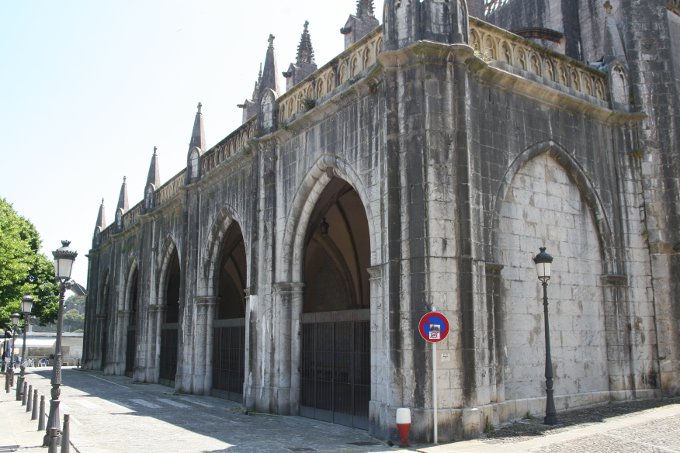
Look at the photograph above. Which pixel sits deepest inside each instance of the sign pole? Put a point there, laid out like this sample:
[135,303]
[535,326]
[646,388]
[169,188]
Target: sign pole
[434,327]
[434,388]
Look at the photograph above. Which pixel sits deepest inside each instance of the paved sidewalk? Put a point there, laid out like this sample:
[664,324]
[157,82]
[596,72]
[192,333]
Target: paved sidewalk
[110,414]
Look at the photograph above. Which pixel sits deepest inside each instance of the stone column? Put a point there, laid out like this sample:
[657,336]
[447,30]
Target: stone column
[287,310]
[618,335]
[153,341]
[380,360]
[203,344]
[494,312]
[121,339]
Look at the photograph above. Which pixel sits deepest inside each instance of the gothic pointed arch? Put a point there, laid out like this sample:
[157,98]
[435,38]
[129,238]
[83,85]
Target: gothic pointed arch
[211,254]
[586,188]
[170,293]
[131,309]
[307,195]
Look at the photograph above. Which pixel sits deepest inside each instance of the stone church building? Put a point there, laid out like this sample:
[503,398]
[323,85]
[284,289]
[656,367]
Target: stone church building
[288,266]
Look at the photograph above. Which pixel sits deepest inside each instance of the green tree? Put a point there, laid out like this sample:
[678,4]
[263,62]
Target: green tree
[73,320]
[23,269]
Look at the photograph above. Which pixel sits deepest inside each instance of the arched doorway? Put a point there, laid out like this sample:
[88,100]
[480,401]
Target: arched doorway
[131,345]
[229,323]
[170,323]
[336,350]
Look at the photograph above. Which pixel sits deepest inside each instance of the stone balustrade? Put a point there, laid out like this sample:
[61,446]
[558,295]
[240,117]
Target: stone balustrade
[170,188]
[231,145]
[342,69]
[493,44]
[497,45]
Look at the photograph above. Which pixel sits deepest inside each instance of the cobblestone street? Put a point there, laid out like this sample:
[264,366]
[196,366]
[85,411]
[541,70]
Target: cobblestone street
[111,414]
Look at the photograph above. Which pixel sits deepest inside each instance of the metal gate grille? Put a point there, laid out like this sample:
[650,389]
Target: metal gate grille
[336,377]
[168,365]
[228,357]
[130,351]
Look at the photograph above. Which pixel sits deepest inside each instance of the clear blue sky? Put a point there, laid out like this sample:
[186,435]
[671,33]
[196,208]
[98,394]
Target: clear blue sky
[88,88]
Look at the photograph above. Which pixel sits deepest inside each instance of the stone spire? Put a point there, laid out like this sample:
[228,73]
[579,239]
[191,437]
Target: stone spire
[101,217]
[197,135]
[269,91]
[269,80]
[305,64]
[305,52]
[123,198]
[99,227]
[365,8]
[154,174]
[359,25]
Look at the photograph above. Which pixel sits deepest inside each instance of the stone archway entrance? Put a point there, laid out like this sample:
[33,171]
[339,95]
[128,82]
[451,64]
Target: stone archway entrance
[229,323]
[131,345]
[336,350]
[170,323]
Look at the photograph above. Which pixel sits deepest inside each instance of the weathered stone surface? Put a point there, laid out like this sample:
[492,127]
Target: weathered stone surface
[465,160]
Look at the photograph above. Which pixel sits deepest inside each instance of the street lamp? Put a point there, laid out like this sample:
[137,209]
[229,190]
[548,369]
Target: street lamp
[9,377]
[543,263]
[26,307]
[64,257]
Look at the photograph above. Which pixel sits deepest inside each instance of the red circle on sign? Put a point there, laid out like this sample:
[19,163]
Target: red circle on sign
[433,327]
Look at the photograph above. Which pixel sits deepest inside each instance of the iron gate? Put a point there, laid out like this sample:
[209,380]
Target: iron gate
[130,352]
[336,367]
[228,358]
[168,364]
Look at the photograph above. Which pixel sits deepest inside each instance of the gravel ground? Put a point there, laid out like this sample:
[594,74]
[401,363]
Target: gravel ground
[529,428]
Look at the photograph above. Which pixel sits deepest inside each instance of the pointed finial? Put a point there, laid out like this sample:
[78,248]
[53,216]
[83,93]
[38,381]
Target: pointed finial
[365,8]
[305,52]
[271,41]
[199,107]
[608,7]
[155,148]
[124,178]
[102,201]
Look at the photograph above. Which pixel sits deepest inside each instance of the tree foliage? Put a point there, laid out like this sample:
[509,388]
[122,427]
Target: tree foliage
[23,269]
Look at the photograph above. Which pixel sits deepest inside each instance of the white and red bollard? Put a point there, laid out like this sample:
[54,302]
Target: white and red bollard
[403,425]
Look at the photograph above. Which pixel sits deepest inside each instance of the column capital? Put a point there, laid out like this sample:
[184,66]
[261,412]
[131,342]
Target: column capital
[207,301]
[493,268]
[156,307]
[374,272]
[615,280]
[288,287]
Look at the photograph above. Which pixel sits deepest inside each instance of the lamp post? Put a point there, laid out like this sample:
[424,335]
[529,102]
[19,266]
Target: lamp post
[26,307]
[543,262]
[64,257]
[10,371]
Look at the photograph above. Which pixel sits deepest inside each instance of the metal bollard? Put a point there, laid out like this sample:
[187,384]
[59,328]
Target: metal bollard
[54,440]
[34,413]
[23,392]
[29,399]
[65,435]
[41,416]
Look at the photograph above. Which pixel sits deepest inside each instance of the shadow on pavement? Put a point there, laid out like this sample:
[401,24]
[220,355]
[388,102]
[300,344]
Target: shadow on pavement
[532,427]
[213,417]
